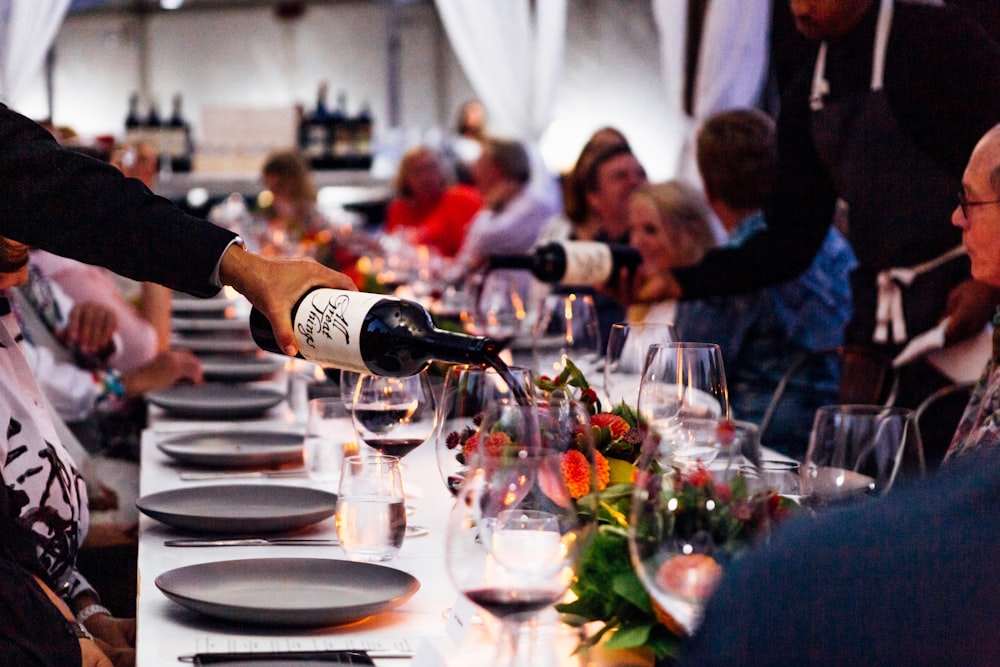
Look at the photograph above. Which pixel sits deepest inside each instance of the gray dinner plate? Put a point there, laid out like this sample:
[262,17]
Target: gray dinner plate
[236,368]
[239,509]
[234,449]
[288,591]
[214,342]
[215,400]
[208,324]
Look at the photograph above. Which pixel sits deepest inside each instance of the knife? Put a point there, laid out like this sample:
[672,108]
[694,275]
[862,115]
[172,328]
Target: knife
[252,542]
[248,474]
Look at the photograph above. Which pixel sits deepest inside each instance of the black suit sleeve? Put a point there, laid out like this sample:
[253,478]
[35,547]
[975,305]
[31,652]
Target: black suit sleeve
[79,207]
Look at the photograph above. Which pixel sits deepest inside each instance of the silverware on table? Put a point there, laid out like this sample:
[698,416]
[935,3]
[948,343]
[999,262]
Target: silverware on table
[242,474]
[252,541]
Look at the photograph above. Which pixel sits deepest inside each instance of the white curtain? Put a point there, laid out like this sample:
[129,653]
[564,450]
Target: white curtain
[512,53]
[27,30]
[732,63]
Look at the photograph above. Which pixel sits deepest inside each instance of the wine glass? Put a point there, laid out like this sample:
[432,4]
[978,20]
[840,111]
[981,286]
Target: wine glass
[500,306]
[682,396]
[567,328]
[625,355]
[468,391]
[519,524]
[394,415]
[348,384]
[855,452]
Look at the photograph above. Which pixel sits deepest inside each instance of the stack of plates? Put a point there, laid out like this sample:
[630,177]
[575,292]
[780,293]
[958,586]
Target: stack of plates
[212,329]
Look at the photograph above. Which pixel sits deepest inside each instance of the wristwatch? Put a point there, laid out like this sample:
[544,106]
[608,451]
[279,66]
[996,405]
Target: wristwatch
[78,630]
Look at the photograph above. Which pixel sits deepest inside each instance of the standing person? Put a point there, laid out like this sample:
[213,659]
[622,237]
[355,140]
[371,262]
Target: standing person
[427,208]
[909,579]
[883,118]
[71,204]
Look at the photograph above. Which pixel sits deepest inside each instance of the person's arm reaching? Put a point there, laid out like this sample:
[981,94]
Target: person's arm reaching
[275,285]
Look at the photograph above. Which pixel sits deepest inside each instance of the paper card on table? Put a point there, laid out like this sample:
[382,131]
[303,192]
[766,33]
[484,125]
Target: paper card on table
[460,619]
[428,655]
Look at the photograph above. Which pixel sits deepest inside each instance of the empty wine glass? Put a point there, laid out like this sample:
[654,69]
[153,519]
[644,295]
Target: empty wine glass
[519,522]
[467,393]
[625,356]
[855,452]
[394,415]
[500,306]
[348,384]
[681,394]
[567,327]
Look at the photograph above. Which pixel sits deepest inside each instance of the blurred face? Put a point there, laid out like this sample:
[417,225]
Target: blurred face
[981,228]
[617,179]
[13,263]
[649,236]
[424,179]
[825,19]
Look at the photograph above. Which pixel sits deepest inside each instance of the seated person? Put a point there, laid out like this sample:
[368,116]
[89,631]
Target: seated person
[906,580]
[577,220]
[69,347]
[41,474]
[513,214]
[290,211]
[737,160]
[427,208]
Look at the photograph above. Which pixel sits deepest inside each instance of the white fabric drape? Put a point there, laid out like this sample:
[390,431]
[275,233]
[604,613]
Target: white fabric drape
[732,63]
[27,30]
[512,53]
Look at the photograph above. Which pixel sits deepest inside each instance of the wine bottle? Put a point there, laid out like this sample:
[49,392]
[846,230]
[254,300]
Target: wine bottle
[371,333]
[572,262]
[133,120]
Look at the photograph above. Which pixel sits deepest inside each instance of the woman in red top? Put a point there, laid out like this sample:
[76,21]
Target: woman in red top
[427,208]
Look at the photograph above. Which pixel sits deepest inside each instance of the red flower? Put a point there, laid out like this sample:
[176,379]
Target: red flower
[699,478]
[618,426]
[576,472]
[724,492]
[725,432]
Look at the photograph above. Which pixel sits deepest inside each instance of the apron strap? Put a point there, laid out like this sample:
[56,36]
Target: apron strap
[821,87]
[889,315]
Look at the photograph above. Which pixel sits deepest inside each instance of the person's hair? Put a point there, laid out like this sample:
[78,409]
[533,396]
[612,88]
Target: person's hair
[466,129]
[510,157]
[682,207]
[601,156]
[401,183]
[738,157]
[574,194]
[294,172]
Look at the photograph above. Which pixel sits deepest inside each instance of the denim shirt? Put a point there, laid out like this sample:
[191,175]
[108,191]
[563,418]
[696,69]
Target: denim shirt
[763,332]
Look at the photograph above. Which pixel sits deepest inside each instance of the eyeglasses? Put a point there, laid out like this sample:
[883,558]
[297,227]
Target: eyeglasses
[965,203]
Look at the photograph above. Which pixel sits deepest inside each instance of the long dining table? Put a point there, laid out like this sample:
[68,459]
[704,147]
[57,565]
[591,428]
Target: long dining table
[418,632]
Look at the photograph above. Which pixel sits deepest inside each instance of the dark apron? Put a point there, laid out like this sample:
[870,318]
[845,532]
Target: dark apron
[899,201]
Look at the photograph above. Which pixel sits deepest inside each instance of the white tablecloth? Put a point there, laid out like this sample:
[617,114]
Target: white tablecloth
[167,630]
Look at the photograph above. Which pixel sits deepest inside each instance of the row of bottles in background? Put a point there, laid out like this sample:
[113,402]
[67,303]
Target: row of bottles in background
[332,138]
[171,138]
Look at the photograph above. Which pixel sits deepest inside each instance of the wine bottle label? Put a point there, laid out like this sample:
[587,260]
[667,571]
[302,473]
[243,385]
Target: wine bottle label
[328,327]
[587,262]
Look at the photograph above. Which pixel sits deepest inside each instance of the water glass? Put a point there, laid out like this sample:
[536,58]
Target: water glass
[323,449]
[371,512]
[625,356]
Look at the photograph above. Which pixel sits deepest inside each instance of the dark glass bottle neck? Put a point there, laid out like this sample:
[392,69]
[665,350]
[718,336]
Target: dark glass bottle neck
[457,348]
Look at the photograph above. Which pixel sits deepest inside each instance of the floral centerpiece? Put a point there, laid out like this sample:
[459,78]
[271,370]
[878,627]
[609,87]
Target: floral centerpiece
[607,588]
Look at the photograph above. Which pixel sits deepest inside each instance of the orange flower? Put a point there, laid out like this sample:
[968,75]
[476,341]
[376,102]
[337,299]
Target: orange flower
[470,446]
[496,442]
[618,426]
[576,472]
